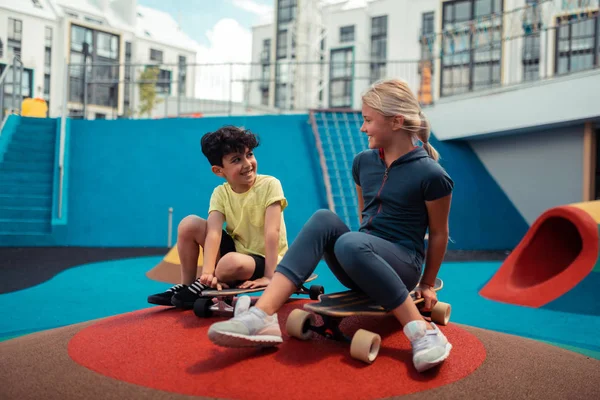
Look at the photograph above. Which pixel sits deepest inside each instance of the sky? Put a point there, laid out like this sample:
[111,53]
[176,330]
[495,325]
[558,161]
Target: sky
[222,28]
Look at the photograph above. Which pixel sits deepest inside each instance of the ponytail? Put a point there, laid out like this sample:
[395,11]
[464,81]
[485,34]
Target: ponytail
[424,134]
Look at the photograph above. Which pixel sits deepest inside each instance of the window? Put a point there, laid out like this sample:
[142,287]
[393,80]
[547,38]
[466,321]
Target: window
[427,36]
[427,40]
[156,55]
[577,43]
[265,77]
[15,35]
[101,52]
[282,44]
[182,69]
[378,47]
[27,85]
[265,54]
[48,36]
[128,73]
[286,10]
[471,57]
[280,95]
[37,4]
[531,41]
[340,78]
[347,34]
[163,86]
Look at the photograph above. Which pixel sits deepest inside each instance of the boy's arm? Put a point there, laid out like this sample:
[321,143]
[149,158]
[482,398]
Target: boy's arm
[272,232]
[212,243]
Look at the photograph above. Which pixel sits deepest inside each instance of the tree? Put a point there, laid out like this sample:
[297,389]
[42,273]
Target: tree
[148,98]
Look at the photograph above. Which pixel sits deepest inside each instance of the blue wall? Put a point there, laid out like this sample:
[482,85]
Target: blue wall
[124,175]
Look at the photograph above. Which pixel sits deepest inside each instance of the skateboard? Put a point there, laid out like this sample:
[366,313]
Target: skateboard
[223,301]
[334,307]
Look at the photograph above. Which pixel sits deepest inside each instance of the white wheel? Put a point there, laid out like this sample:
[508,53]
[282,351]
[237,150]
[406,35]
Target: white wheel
[365,346]
[440,314]
[298,323]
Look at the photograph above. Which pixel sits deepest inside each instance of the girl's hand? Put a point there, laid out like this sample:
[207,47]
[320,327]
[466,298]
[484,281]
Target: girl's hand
[427,293]
[260,282]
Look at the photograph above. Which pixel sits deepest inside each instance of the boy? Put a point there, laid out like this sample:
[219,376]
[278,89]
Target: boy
[247,252]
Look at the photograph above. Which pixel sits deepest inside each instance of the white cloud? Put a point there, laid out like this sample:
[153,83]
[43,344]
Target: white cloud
[229,42]
[253,7]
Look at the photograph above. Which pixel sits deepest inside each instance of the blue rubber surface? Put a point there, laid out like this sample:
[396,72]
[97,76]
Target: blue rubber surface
[108,288]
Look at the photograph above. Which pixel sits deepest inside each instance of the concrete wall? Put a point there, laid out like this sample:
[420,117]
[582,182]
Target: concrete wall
[536,171]
[549,103]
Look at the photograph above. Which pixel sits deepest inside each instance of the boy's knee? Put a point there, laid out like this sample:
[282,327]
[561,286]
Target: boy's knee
[190,226]
[229,266]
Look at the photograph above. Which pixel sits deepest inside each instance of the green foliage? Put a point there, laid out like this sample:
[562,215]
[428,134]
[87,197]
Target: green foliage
[148,98]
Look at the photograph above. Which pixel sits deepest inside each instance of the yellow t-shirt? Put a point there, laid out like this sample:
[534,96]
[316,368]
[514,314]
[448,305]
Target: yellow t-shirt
[245,214]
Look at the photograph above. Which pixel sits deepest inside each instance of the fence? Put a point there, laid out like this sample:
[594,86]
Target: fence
[469,57]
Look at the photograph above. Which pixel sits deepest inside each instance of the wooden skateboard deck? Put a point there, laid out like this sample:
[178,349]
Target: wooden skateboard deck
[348,303]
[333,308]
[238,291]
[223,301]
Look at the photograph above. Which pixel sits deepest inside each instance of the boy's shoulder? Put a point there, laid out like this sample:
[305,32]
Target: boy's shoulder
[265,180]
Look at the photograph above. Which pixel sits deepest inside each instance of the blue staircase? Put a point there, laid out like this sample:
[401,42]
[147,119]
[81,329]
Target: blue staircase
[26,179]
[339,139]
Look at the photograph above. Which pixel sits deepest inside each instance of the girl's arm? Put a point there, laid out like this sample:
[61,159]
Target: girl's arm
[438,237]
[361,202]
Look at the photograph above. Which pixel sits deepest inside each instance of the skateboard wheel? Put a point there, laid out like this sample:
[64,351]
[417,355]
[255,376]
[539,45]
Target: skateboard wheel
[298,324]
[315,291]
[365,346]
[202,308]
[440,313]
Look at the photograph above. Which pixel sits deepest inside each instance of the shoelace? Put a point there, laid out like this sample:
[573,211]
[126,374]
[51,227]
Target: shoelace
[425,342]
[176,288]
[197,287]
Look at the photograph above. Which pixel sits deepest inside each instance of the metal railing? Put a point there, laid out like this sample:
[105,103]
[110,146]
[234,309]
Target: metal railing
[469,57]
[13,69]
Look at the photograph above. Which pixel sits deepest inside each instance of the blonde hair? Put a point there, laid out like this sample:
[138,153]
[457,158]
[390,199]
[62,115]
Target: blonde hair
[393,97]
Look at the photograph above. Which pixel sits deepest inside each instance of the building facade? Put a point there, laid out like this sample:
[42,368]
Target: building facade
[515,79]
[118,41]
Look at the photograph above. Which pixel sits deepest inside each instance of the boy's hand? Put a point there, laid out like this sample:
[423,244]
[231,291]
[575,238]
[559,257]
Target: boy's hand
[207,279]
[260,282]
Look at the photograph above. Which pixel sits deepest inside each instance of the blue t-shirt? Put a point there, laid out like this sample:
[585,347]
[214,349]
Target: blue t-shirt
[395,197]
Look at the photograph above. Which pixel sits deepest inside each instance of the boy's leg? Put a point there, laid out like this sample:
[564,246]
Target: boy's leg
[387,273]
[236,267]
[191,234]
[258,327]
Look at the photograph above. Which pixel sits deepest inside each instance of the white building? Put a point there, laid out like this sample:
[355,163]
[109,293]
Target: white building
[518,80]
[48,34]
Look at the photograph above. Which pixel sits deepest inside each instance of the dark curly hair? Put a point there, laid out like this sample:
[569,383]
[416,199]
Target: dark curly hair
[226,140]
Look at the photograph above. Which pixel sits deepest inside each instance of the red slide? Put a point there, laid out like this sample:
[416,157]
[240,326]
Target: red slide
[559,250]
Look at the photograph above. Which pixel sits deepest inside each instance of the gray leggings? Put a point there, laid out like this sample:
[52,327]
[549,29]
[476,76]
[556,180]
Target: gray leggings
[384,271]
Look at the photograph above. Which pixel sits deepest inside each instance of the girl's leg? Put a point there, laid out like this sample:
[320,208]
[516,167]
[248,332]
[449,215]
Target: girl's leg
[387,273]
[316,239]
[384,271]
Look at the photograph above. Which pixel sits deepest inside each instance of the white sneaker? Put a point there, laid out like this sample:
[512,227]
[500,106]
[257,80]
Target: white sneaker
[250,327]
[430,346]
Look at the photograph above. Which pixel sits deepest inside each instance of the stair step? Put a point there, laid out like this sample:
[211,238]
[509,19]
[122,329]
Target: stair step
[40,189]
[14,166]
[47,122]
[29,156]
[26,146]
[25,213]
[26,177]
[19,226]
[25,200]
[21,137]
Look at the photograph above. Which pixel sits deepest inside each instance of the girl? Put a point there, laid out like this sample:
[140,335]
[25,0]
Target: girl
[402,191]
